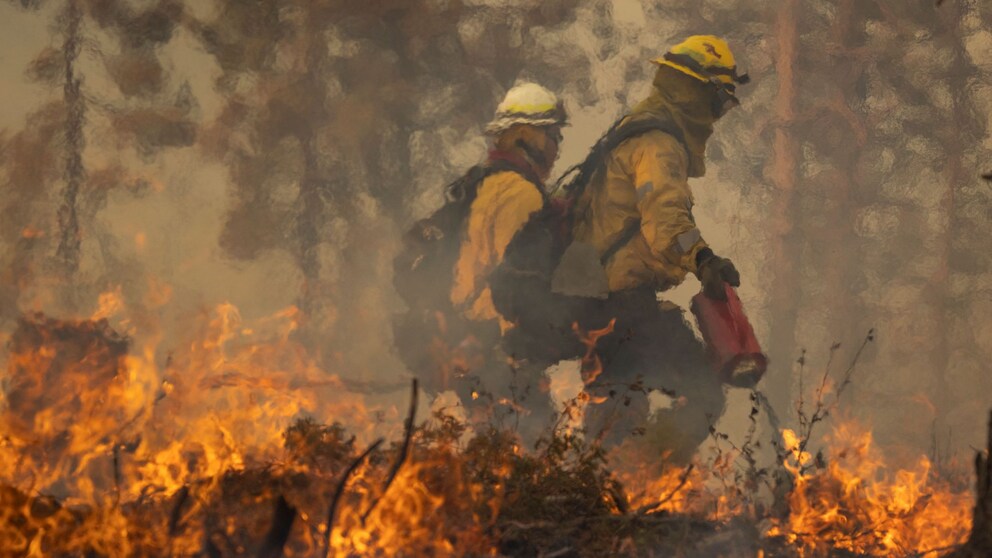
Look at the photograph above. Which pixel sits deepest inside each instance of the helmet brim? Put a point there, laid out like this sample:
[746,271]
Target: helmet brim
[504,123]
[662,62]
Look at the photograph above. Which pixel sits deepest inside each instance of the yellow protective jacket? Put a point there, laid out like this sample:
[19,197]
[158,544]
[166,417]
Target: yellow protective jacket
[504,203]
[646,178]
[643,178]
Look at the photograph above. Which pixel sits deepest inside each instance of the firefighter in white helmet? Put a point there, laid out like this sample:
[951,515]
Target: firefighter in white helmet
[450,334]
[508,190]
[525,135]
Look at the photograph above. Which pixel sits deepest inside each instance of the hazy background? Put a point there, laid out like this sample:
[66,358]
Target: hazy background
[270,153]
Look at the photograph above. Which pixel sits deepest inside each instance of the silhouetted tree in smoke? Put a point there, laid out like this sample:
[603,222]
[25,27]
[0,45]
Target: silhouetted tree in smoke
[874,117]
[960,130]
[139,110]
[75,173]
[274,132]
[329,106]
[908,118]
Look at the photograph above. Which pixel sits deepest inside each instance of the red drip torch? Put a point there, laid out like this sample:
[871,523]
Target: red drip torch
[730,339]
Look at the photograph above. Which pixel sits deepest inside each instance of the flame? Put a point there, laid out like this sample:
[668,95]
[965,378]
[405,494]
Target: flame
[592,367]
[94,420]
[110,304]
[706,488]
[237,396]
[112,448]
[567,385]
[859,503]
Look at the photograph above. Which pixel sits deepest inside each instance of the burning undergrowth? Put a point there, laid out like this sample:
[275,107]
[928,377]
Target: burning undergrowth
[106,454]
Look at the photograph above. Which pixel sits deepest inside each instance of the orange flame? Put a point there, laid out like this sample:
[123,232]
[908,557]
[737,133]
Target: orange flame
[858,503]
[592,367]
[100,422]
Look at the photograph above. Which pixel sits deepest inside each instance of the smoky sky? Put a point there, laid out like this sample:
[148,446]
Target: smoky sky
[271,154]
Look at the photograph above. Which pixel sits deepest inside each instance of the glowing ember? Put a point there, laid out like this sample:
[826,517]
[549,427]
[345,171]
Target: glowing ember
[32,233]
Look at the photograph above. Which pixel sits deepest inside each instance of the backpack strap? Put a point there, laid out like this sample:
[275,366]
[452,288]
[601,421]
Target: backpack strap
[466,188]
[619,132]
[630,229]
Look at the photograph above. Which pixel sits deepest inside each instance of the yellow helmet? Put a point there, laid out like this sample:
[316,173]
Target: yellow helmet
[528,103]
[706,58]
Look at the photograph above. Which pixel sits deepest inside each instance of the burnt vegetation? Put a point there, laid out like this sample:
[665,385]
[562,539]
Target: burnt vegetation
[440,488]
[331,118]
[486,495]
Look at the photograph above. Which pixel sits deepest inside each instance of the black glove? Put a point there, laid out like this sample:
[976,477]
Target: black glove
[713,271]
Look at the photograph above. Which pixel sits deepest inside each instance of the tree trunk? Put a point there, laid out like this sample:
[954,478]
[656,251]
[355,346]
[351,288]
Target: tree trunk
[841,267]
[979,543]
[956,139]
[75,174]
[310,200]
[783,288]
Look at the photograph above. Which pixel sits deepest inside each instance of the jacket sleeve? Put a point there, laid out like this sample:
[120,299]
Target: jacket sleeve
[658,165]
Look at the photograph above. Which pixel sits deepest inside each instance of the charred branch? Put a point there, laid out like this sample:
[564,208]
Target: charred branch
[282,523]
[653,507]
[980,541]
[339,492]
[404,450]
[177,511]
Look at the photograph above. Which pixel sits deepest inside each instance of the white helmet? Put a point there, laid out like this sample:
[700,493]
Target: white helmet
[528,103]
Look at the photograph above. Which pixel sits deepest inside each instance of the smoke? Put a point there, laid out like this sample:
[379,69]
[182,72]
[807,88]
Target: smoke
[270,154]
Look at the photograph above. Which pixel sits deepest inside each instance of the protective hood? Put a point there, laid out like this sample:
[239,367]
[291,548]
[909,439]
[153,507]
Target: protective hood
[689,103]
[529,143]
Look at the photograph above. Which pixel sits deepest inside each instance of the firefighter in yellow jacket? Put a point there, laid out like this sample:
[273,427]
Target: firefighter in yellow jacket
[636,211]
[525,135]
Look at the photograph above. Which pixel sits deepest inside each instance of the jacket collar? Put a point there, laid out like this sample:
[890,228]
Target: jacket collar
[519,161]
